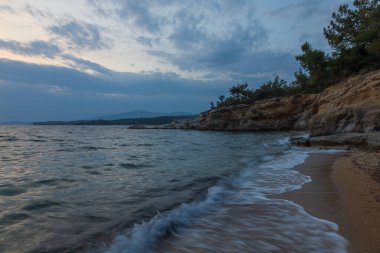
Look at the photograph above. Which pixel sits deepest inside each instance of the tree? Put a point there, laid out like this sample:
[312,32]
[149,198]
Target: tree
[354,35]
[314,71]
[302,79]
[221,101]
[276,88]
[239,91]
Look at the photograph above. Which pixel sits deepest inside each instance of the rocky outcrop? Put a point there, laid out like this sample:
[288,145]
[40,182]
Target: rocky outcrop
[192,123]
[285,113]
[352,106]
[189,123]
[136,127]
[367,141]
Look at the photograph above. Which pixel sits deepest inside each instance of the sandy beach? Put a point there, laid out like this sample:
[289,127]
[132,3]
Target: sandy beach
[344,190]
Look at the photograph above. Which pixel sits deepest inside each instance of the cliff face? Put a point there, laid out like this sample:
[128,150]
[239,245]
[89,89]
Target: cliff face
[273,114]
[350,106]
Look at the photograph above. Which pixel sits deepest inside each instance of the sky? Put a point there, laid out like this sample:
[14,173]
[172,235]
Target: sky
[77,59]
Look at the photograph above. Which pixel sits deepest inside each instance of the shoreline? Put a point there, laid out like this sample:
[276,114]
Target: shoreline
[343,193]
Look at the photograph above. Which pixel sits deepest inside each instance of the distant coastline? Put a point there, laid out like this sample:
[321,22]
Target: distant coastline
[134,121]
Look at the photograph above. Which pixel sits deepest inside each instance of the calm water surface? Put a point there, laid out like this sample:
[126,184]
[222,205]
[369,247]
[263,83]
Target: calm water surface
[111,189]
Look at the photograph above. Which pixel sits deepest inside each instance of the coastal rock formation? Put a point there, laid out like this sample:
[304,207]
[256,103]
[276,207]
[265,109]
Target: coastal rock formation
[192,123]
[352,106]
[367,141]
[285,113]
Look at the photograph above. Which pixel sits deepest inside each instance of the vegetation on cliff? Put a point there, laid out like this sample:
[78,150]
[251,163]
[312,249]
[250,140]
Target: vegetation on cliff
[354,36]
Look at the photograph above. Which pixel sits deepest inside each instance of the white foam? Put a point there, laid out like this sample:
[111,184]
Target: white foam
[251,186]
[273,176]
[144,236]
[268,225]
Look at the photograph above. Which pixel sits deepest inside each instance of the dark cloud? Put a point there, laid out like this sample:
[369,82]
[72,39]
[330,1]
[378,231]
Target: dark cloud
[82,64]
[36,89]
[22,72]
[254,68]
[78,94]
[188,33]
[80,35]
[202,35]
[148,83]
[139,12]
[37,47]
[198,40]
[267,64]
[199,50]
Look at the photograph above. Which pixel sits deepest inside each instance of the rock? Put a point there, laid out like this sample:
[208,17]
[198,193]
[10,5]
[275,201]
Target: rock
[264,115]
[369,141]
[136,127]
[301,141]
[352,106]
[185,124]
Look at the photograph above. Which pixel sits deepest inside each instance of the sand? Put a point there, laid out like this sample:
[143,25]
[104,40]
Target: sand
[343,191]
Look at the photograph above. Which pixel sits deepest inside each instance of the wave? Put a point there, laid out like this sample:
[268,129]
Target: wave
[11,191]
[251,186]
[145,235]
[40,204]
[134,165]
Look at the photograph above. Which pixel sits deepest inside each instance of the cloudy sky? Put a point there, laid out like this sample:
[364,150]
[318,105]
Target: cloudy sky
[74,59]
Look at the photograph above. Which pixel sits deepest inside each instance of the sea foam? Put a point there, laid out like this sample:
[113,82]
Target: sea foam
[188,225]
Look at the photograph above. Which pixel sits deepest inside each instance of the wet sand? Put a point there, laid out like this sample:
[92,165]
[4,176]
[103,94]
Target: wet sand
[342,192]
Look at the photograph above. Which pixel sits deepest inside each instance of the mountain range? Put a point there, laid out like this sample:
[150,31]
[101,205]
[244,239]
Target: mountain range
[139,114]
[136,114]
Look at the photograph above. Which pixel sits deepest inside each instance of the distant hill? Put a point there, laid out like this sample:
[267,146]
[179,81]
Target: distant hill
[136,121]
[139,114]
[16,123]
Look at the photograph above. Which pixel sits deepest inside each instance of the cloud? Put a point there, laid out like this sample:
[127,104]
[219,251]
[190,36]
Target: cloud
[81,35]
[44,92]
[7,8]
[220,38]
[33,48]
[147,41]
[303,10]
[35,74]
[142,16]
[57,89]
[85,65]
[199,50]
[38,13]
[140,13]
[199,35]
[111,82]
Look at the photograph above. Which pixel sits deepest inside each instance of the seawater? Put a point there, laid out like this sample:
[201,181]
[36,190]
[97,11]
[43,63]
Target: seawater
[115,190]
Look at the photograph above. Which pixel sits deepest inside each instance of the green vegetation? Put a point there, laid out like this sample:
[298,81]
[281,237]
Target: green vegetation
[354,36]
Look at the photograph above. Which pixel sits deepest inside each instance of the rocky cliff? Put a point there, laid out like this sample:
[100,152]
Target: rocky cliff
[352,106]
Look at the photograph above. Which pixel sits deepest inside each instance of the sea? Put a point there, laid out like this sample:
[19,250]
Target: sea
[110,189]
